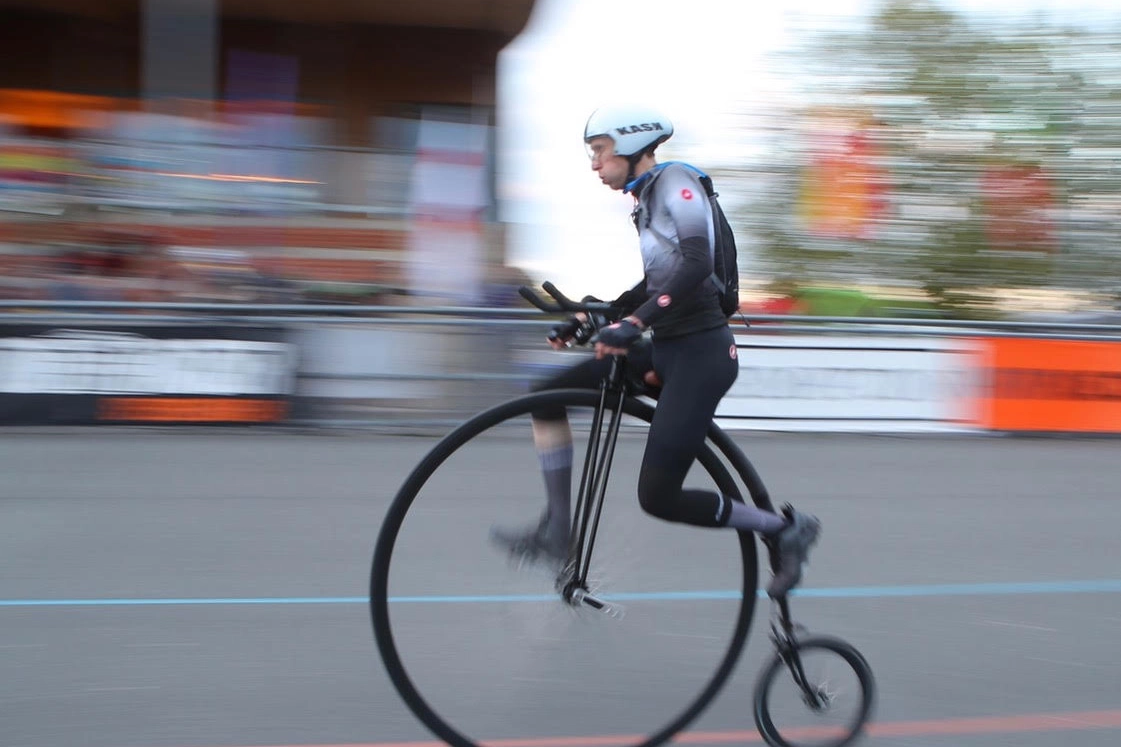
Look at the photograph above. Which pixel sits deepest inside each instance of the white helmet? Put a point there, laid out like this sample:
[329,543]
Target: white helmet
[633,128]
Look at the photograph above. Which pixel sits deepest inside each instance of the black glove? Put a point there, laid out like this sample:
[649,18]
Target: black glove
[621,334]
[566,330]
[579,332]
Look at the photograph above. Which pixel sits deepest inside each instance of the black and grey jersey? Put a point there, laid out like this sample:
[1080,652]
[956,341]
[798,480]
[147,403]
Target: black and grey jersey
[675,230]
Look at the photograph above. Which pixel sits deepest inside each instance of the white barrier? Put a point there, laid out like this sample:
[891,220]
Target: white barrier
[79,362]
[853,383]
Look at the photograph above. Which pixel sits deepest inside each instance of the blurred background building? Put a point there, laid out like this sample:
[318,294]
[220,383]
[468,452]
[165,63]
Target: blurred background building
[877,156]
[250,149]
[921,158]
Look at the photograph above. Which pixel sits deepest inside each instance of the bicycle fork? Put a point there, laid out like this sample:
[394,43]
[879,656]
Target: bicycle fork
[783,636]
[572,583]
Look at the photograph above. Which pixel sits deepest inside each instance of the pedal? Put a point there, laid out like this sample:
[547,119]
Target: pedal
[614,611]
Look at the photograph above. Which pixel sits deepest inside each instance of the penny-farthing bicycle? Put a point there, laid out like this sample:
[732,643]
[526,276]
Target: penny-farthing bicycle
[624,644]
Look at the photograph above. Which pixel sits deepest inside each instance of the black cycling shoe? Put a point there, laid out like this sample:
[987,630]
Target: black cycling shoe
[791,549]
[541,542]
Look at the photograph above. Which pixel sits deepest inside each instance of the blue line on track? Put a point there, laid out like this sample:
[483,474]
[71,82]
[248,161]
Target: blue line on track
[1101,586]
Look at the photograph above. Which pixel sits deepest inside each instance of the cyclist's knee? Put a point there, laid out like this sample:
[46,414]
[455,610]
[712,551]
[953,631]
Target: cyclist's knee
[550,415]
[544,384]
[696,507]
[552,433]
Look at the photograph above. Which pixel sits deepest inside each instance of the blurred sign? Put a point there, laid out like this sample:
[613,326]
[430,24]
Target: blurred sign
[248,161]
[54,110]
[882,384]
[1052,385]
[35,174]
[161,375]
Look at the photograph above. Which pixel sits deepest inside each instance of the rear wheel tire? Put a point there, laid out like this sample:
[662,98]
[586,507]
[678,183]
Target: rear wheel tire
[841,678]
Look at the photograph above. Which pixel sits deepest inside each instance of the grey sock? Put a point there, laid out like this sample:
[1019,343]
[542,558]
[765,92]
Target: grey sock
[556,468]
[748,517]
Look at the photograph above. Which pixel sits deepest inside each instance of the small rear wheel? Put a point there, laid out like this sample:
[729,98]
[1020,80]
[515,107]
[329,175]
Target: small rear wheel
[819,694]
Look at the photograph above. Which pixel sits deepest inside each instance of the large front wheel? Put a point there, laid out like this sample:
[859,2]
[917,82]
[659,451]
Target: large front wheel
[483,649]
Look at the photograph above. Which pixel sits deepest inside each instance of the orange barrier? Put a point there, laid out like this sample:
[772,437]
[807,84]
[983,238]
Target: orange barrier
[1052,386]
[191,410]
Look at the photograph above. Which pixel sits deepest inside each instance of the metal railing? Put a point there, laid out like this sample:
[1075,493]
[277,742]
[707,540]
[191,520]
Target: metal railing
[457,316]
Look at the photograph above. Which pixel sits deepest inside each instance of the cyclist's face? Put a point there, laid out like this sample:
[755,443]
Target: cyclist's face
[611,169]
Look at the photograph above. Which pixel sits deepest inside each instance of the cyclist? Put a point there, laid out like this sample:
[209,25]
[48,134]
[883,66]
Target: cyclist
[688,364]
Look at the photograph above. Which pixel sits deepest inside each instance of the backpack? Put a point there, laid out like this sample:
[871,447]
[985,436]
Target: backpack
[725,261]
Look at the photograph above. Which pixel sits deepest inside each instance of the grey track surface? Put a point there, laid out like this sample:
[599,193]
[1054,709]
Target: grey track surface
[122,514]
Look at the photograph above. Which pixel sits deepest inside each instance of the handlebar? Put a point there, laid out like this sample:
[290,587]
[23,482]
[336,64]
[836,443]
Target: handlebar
[577,330]
[563,304]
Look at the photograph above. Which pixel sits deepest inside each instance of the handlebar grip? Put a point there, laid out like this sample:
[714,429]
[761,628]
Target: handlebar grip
[553,291]
[563,302]
[536,300]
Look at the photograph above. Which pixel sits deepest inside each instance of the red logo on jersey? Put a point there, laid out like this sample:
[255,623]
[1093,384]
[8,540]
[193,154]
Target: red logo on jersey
[687,194]
[732,352]
[664,301]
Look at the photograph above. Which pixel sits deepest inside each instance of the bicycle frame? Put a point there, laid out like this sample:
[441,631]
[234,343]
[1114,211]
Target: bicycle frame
[572,580]
[783,637]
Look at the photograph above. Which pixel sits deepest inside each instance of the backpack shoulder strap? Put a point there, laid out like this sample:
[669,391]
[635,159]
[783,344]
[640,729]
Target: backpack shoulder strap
[705,179]
[710,190]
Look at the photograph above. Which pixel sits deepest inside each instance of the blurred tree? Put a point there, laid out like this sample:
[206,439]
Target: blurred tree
[952,156]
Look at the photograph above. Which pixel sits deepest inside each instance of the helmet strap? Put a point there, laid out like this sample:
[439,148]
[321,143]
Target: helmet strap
[630,171]
[632,164]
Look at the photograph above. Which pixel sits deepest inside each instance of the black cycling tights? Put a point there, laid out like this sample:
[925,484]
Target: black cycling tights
[696,372]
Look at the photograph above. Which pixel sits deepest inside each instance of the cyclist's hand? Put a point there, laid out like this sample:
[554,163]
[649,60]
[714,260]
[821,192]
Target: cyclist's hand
[561,335]
[574,330]
[616,338]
